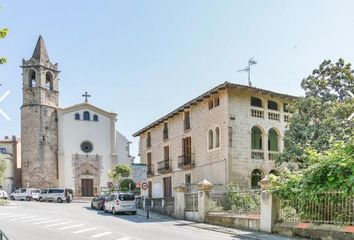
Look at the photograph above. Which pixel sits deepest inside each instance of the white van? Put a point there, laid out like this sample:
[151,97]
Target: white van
[56,194]
[22,194]
[120,202]
[35,194]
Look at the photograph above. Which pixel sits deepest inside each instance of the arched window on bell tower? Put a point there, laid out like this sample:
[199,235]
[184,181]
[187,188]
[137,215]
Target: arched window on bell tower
[32,79]
[49,81]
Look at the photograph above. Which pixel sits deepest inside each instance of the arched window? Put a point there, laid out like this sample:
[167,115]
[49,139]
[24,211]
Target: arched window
[274,172]
[48,81]
[95,118]
[32,79]
[77,116]
[256,176]
[256,102]
[272,105]
[272,140]
[86,116]
[210,139]
[256,139]
[217,137]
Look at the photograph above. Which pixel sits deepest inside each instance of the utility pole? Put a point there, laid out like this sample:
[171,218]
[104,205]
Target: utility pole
[248,69]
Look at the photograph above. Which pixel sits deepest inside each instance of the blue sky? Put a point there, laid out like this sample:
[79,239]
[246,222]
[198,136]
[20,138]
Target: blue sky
[142,59]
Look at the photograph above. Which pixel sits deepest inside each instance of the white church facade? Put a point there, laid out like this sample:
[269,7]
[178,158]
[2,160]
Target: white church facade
[87,148]
[73,147]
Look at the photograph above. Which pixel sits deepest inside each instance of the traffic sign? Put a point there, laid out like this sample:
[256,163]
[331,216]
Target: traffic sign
[144,186]
[110,184]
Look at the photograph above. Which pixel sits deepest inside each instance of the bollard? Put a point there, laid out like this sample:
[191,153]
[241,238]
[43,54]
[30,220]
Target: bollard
[147,212]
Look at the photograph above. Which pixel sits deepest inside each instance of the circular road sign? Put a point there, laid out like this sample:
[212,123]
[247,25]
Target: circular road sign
[109,184]
[144,186]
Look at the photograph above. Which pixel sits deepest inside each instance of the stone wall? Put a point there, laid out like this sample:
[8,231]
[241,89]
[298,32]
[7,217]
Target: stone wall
[241,122]
[39,146]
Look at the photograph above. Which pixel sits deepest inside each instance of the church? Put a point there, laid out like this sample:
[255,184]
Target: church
[71,147]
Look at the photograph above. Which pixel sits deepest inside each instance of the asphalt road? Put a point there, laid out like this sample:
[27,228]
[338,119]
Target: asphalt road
[37,221]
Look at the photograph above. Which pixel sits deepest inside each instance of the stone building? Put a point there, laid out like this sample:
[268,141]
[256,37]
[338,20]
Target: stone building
[39,127]
[72,147]
[123,149]
[10,152]
[228,134]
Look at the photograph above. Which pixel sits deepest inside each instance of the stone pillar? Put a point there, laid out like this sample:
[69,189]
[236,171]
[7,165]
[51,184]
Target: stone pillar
[179,202]
[269,206]
[204,199]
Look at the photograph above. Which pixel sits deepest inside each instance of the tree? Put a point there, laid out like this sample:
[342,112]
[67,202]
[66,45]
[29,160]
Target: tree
[3,33]
[2,168]
[119,172]
[124,185]
[321,117]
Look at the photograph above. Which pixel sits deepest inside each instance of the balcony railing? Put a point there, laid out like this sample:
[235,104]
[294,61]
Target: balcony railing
[185,161]
[274,116]
[257,154]
[272,155]
[286,118]
[164,166]
[150,170]
[257,113]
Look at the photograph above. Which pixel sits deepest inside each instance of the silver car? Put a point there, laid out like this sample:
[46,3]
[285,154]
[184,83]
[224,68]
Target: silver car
[120,202]
[55,194]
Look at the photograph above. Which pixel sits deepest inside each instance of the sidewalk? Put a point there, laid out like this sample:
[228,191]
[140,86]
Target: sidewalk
[235,232]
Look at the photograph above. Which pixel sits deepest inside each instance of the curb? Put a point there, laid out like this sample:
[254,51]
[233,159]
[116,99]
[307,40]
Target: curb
[144,215]
[227,231]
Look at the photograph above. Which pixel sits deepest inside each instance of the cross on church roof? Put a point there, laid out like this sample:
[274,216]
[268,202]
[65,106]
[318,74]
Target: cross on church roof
[86,95]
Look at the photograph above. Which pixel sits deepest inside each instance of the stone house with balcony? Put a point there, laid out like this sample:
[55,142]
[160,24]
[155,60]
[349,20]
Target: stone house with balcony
[231,133]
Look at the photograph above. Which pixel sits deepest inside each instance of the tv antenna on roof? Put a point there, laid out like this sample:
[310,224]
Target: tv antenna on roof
[248,69]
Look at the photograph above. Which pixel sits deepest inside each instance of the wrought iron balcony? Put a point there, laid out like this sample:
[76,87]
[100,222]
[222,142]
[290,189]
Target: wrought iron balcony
[164,166]
[185,161]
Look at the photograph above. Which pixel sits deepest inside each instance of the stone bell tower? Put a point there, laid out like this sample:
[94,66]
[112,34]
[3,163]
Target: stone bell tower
[39,127]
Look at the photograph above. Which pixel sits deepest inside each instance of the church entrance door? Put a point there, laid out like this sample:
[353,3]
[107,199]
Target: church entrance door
[87,187]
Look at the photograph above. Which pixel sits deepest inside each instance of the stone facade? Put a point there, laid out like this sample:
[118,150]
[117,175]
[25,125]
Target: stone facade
[87,167]
[39,128]
[10,149]
[232,119]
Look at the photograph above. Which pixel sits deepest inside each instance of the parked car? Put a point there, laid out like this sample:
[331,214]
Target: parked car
[98,202]
[22,194]
[56,194]
[35,194]
[120,202]
[3,195]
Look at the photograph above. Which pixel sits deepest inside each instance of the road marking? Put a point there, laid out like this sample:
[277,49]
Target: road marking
[72,226]
[22,218]
[85,230]
[124,238]
[101,234]
[57,224]
[19,215]
[36,219]
[49,221]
